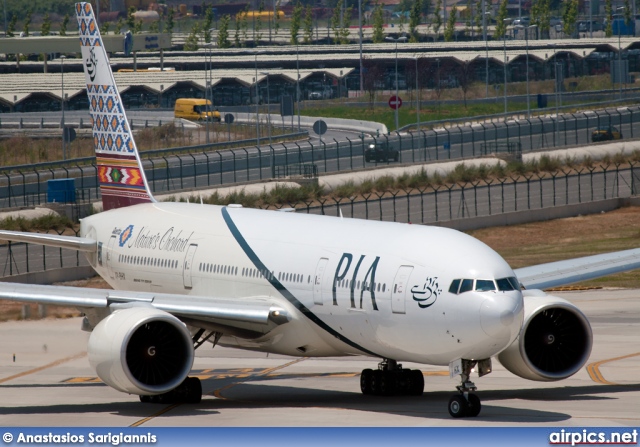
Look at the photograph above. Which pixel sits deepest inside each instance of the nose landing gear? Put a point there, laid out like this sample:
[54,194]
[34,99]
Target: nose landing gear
[467,404]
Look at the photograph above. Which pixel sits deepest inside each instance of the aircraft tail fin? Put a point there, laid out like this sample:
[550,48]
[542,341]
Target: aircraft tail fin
[120,173]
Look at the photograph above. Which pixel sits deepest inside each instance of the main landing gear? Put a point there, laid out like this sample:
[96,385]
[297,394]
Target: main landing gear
[467,404]
[390,380]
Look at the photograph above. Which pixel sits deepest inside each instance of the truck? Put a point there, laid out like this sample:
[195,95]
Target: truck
[195,109]
[380,151]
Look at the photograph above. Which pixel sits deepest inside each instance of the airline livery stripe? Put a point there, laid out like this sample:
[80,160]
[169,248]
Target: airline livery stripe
[283,290]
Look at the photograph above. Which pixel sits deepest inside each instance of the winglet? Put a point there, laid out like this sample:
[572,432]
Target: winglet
[120,172]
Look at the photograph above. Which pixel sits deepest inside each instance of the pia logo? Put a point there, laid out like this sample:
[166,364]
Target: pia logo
[125,235]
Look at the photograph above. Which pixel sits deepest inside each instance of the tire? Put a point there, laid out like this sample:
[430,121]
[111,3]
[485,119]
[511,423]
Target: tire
[387,383]
[194,390]
[376,379]
[458,406]
[474,406]
[365,381]
[417,382]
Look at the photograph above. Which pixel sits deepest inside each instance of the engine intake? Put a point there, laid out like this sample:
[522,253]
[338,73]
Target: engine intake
[555,340]
[141,350]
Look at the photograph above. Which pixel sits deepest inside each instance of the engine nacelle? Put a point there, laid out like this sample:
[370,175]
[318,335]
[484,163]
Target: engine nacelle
[555,340]
[141,350]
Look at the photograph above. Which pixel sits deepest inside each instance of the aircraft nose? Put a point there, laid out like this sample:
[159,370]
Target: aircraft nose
[501,315]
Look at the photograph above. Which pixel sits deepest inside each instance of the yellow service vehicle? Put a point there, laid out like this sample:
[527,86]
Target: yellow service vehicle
[195,109]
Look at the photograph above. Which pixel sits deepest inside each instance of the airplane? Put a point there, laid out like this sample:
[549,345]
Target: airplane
[296,284]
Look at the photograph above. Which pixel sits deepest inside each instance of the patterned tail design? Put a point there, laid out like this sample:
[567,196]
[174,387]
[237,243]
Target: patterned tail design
[120,173]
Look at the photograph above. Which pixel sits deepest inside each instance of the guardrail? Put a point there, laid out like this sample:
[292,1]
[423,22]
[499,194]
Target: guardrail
[204,166]
[427,205]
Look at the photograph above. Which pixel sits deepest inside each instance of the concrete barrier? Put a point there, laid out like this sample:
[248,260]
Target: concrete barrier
[52,276]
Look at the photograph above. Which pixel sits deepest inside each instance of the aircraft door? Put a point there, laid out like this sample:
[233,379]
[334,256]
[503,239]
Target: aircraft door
[399,289]
[110,255]
[188,265]
[317,280]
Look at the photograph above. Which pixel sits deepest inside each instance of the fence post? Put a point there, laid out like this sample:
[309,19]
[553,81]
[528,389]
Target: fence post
[337,153]
[350,153]
[246,155]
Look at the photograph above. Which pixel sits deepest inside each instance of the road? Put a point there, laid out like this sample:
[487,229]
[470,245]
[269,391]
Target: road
[57,388]
[343,151]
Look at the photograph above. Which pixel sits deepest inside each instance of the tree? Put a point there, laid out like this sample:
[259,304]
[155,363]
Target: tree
[464,75]
[608,14]
[276,19]
[346,23]
[244,24]
[378,24]
[437,18]
[154,27]
[501,25]
[258,24]
[403,21]
[12,25]
[104,29]
[541,16]
[27,22]
[170,21]
[236,37]
[372,77]
[119,25]
[308,25]
[208,23]
[191,43]
[335,22]
[65,23]
[628,12]
[131,20]
[45,30]
[295,23]
[414,20]
[223,31]
[477,18]
[569,17]
[450,29]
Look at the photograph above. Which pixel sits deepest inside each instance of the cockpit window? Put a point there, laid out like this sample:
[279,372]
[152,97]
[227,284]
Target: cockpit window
[504,284]
[485,285]
[515,283]
[466,286]
[453,288]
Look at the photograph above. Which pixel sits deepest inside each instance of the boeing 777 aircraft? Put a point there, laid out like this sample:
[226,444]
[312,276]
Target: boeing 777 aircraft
[296,284]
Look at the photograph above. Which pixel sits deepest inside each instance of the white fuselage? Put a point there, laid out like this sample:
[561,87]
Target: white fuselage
[351,286]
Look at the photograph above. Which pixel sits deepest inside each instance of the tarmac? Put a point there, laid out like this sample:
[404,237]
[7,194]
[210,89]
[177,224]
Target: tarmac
[51,384]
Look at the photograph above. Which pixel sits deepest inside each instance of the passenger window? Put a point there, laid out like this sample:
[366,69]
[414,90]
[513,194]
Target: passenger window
[455,285]
[466,285]
[485,285]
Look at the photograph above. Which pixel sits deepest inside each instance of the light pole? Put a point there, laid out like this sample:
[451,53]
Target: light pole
[5,19]
[504,47]
[622,11]
[64,133]
[360,38]
[257,103]
[417,96]
[265,73]
[526,36]
[399,39]
[207,83]
[298,86]
[486,46]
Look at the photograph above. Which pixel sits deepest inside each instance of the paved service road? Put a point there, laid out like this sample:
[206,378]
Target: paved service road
[56,387]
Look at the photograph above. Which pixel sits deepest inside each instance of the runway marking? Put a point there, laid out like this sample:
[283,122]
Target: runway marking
[244,377]
[40,368]
[594,369]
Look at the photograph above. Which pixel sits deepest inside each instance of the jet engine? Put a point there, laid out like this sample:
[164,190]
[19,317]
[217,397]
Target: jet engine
[141,350]
[554,342]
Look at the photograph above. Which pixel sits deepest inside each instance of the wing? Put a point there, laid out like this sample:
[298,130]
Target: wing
[560,273]
[246,317]
[51,240]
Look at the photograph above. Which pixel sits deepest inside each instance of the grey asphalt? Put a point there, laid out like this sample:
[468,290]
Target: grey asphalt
[56,387]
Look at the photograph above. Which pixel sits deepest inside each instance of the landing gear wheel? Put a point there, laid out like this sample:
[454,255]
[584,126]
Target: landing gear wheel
[458,406]
[376,381]
[474,406]
[366,378]
[194,390]
[417,382]
[387,383]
